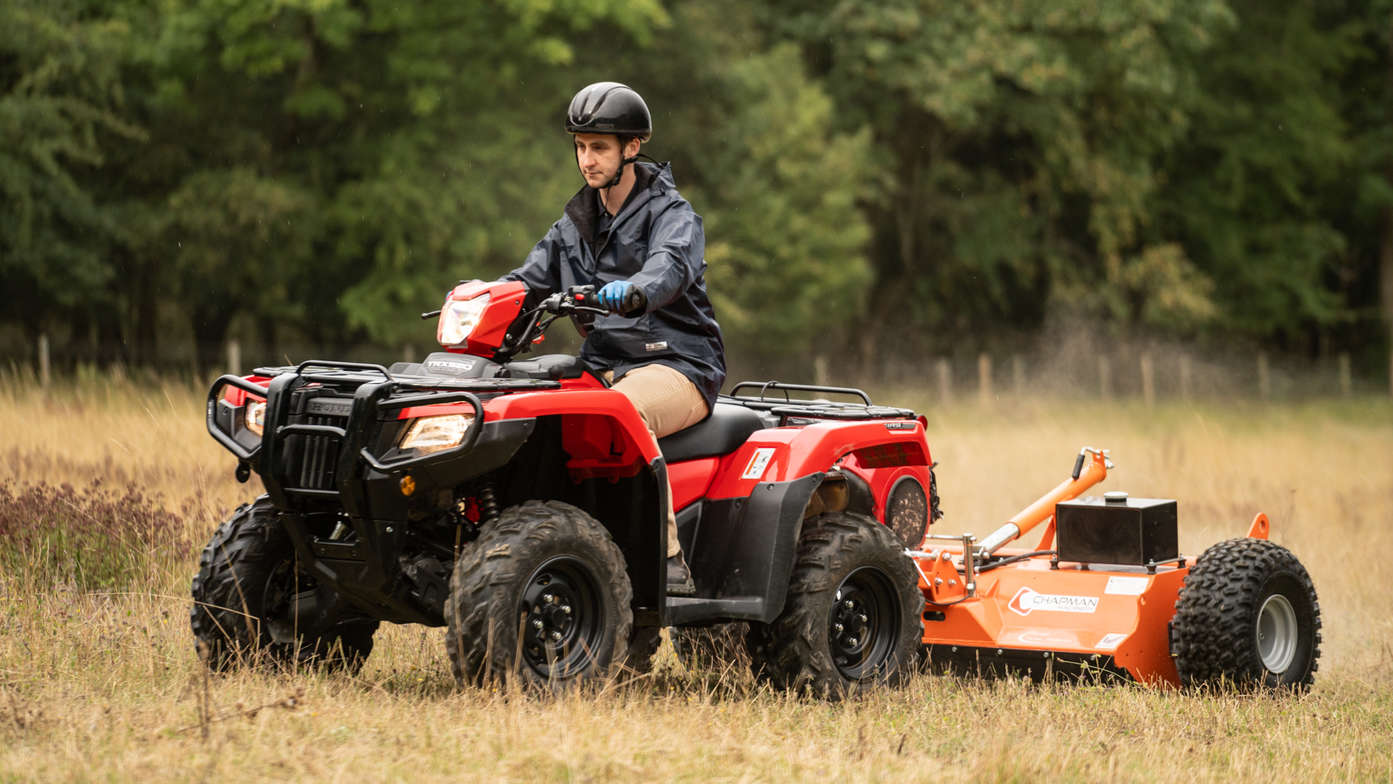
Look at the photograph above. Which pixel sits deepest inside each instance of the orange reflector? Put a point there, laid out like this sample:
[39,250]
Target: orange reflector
[408,485]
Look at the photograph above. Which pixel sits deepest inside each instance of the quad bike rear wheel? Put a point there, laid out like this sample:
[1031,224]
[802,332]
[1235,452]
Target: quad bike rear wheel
[252,605]
[1247,616]
[851,619]
[542,596]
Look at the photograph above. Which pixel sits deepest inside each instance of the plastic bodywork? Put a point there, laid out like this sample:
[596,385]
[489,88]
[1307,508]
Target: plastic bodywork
[379,524]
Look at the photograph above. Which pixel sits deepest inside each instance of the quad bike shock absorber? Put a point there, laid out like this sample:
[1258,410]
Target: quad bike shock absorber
[488,504]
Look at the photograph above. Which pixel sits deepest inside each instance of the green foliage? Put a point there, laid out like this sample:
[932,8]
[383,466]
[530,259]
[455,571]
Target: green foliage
[326,169]
[60,92]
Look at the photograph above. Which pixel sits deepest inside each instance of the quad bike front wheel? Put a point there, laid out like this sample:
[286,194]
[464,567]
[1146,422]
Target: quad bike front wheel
[1247,616]
[541,597]
[851,619]
[252,605]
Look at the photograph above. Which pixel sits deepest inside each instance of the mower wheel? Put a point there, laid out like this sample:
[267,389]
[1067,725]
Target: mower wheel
[252,605]
[712,647]
[851,619]
[542,596]
[1247,616]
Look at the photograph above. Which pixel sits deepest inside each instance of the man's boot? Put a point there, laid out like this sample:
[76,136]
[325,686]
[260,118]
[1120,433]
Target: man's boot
[679,577]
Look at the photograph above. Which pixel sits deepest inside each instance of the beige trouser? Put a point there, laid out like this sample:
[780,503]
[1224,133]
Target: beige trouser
[668,402]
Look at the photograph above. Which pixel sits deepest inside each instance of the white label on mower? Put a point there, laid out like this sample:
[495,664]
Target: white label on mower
[1126,586]
[1111,641]
[758,462]
[1028,600]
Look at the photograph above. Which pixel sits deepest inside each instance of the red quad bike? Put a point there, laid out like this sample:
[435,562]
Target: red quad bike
[521,504]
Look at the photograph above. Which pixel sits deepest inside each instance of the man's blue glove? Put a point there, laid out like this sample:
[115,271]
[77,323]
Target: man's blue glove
[620,296]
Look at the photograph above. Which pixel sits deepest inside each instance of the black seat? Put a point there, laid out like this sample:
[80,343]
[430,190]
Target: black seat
[729,426]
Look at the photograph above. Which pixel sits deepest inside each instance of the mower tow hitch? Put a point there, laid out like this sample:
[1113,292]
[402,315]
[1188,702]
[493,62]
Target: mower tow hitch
[942,578]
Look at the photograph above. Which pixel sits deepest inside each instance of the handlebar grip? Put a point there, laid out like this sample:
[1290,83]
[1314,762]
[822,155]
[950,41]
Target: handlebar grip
[634,303]
[1078,465]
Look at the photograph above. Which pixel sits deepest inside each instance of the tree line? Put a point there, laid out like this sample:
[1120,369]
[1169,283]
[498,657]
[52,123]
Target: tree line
[916,174]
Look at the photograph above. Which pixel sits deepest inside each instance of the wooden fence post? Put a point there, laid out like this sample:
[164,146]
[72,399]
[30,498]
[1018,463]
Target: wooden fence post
[1185,377]
[44,367]
[1264,376]
[984,378]
[1018,374]
[1104,378]
[945,381]
[234,357]
[1148,381]
[1346,382]
[821,375]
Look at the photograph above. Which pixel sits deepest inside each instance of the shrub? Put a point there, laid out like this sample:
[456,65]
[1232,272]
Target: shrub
[95,538]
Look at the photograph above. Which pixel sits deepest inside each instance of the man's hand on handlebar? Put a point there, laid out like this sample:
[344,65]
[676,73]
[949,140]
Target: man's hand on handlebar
[622,297]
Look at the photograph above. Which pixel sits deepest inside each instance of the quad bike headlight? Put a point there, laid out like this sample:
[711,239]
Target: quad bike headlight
[458,318]
[434,433]
[254,416]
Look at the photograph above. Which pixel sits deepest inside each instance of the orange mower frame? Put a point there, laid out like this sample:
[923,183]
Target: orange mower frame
[1007,609]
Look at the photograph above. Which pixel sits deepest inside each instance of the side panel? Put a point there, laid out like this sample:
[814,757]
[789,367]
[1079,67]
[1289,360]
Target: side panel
[782,454]
[1121,614]
[690,479]
[742,553]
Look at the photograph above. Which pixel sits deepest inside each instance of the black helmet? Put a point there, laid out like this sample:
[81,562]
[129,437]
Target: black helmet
[609,107]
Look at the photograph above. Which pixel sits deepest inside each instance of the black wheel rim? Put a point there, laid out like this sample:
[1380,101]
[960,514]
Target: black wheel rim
[286,598]
[563,618]
[863,624]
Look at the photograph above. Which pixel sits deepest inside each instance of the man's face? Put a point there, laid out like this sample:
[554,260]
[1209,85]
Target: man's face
[598,156]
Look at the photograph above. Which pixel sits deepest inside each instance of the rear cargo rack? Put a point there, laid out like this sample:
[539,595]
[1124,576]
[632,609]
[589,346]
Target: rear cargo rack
[774,397]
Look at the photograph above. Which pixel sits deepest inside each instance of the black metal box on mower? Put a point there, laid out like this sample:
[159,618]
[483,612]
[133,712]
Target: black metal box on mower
[1116,529]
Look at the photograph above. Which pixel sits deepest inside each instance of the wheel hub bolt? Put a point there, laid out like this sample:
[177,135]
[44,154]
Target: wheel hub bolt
[848,604]
[852,642]
[566,609]
[862,618]
[537,623]
[556,636]
[837,628]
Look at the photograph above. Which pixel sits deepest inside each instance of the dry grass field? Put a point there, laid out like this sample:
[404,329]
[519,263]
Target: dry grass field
[99,680]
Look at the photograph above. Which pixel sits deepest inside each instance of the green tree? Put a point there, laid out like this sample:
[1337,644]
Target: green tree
[61,99]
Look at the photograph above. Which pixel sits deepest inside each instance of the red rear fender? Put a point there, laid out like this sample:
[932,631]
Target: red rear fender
[783,454]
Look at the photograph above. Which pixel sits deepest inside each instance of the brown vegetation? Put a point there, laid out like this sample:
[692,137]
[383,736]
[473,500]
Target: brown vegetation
[99,679]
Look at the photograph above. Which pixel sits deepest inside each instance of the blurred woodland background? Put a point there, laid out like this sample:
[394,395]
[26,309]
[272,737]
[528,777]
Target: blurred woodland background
[882,182]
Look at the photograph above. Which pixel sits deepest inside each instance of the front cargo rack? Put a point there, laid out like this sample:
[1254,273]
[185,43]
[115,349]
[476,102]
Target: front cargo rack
[332,373]
[774,397]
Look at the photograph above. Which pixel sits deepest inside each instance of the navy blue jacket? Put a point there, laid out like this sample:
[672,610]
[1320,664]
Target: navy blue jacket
[655,242]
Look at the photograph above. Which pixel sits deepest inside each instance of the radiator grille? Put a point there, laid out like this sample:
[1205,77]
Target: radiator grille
[316,459]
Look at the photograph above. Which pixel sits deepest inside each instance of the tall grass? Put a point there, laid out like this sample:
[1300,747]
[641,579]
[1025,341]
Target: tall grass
[99,679]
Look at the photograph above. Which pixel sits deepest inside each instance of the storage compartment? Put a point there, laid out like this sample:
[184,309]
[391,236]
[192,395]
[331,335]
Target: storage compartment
[1117,530]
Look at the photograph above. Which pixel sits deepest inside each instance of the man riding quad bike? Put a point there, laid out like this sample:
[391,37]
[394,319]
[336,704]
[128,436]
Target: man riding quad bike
[519,503]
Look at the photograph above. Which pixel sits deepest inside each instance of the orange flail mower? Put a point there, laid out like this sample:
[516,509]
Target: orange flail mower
[1107,594]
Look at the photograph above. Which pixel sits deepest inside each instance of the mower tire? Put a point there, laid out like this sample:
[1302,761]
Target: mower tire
[541,598]
[851,620]
[252,605]
[1247,617]
[716,647]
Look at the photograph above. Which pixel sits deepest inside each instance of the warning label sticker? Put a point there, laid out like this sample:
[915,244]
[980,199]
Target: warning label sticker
[1126,586]
[758,462]
[1111,641]
[1028,600]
